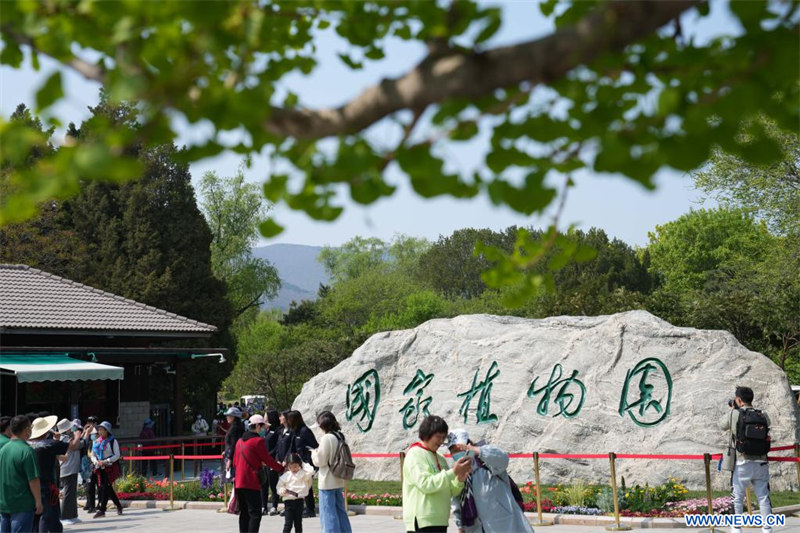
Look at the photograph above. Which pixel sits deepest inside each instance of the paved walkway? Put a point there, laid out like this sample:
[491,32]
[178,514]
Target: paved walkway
[198,521]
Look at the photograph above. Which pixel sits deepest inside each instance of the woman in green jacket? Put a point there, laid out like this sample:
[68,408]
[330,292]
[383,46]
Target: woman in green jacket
[428,484]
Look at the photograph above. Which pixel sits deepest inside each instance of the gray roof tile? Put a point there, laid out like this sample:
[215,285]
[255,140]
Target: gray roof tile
[33,299]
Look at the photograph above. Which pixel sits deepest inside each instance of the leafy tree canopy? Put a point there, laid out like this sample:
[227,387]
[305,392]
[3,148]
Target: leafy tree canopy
[771,192]
[688,252]
[144,239]
[233,209]
[616,87]
[361,254]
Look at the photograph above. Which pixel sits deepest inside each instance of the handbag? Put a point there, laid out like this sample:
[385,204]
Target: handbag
[261,472]
[233,503]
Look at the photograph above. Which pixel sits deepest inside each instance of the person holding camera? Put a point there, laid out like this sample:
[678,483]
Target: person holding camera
[70,468]
[748,429]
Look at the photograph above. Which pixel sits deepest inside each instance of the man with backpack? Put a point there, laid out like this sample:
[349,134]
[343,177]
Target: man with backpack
[748,429]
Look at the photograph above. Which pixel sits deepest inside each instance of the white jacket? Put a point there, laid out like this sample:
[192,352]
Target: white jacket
[299,482]
[322,457]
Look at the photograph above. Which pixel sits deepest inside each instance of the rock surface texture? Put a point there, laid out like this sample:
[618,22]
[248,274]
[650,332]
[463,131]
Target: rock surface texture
[627,383]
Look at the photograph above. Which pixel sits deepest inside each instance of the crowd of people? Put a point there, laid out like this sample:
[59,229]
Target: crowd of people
[42,460]
[275,457]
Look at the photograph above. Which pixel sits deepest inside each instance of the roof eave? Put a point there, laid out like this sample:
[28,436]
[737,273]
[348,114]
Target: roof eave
[106,332]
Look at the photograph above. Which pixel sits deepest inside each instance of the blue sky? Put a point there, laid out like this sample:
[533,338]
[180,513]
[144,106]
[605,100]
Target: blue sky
[621,207]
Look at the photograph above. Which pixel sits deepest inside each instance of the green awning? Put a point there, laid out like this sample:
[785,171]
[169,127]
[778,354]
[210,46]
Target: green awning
[35,367]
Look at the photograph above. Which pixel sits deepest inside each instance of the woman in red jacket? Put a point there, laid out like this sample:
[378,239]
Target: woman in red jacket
[248,457]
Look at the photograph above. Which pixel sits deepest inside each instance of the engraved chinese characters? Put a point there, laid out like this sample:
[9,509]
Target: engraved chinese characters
[417,403]
[647,410]
[646,395]
[363,397]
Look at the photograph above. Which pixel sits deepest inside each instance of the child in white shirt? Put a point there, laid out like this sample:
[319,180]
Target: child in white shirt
[293,486]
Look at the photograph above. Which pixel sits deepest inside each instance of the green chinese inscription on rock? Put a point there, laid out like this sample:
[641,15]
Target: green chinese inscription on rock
[646,410]
[416,404]
[563,398]
[363,396]
[484,392]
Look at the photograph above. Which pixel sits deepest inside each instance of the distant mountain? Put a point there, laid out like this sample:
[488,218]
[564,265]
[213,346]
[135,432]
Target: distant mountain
[299,270]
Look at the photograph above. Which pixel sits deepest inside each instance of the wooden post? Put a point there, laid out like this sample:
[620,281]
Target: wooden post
[171,483]
[618,527]
[540,522]
[709,496]
[195,463]
[225,496]
[749,503]
[347,510]
[402,460]
[797,465]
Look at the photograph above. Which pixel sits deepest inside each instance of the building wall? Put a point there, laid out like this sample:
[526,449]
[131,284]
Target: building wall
[131,416]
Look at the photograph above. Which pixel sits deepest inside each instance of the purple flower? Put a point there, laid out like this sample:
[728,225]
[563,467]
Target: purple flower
[207,479]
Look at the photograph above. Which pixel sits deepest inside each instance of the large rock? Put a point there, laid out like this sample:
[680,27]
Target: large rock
[508,362]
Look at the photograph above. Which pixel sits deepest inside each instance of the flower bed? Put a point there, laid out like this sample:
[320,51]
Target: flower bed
[136,487]
[666,500]
[142,496]
[386,499]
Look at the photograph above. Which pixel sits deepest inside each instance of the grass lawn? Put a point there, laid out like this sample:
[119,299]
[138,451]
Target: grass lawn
[779,499]
[362,486]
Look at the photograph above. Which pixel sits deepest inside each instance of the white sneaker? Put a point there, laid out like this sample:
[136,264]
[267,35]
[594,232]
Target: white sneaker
[68,522]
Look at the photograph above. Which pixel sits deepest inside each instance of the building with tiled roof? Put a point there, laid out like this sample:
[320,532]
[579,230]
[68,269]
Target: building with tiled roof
[35,301]
[76,351]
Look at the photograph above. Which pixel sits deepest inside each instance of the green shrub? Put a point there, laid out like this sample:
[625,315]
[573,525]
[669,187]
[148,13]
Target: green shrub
[130,483]
[576,493]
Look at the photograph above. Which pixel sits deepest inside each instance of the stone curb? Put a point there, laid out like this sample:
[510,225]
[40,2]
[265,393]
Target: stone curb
[397,512]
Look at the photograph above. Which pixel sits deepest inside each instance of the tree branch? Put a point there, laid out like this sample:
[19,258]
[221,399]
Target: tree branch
[458,75]
[611,28]
[84,68]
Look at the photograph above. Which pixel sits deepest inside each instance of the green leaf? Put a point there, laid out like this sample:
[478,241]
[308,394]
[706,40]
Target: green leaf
[275,187]
[613,155]
[350,62]
[668,101]
[323,24]
[11,54]
[761,151]
[750,14]
[49,92]
[493,23]
[547,7]
[464,131]
[403,32]
[500,159]
[375,53]
[269,228]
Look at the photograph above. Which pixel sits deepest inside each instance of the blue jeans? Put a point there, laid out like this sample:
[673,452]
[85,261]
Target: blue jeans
[332,515]
[16,522]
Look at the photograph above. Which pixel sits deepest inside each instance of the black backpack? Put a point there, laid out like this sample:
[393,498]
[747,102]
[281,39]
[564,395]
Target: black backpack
[752,432]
